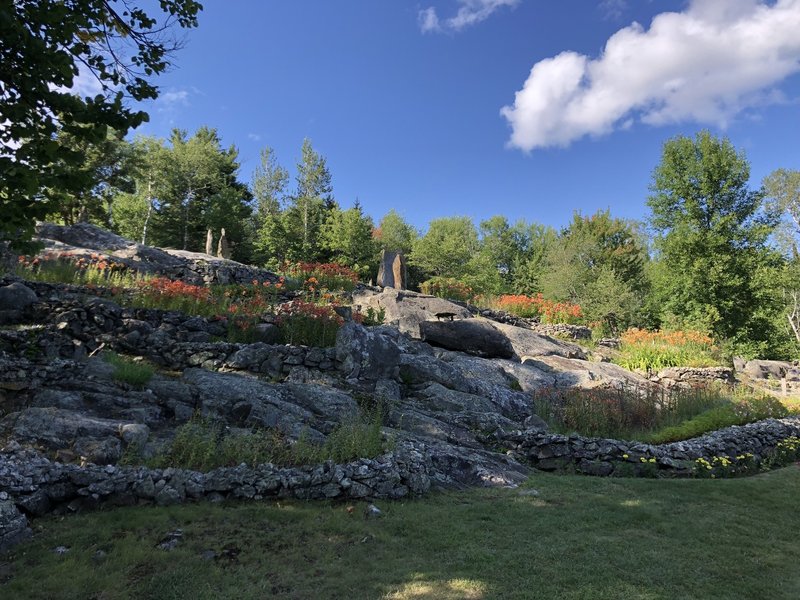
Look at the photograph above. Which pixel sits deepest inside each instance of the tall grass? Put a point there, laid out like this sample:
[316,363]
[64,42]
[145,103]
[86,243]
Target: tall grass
[204,444]
[135,373]
[447,287]
[651,414]
[650,351]
[62,267]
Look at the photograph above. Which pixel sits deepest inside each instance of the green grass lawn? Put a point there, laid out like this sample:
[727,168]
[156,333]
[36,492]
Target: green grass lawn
[580,537]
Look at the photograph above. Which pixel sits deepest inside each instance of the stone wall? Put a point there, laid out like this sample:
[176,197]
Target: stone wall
[694,376]
[597,456]
[72,328]
[31,485]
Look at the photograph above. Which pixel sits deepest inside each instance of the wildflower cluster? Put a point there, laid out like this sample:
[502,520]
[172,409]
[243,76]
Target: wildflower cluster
[331,276]
[724,466]
[447,287]
[654,350]
[167,288]
[786,452]
[66,267]
[548,311]
[307,323]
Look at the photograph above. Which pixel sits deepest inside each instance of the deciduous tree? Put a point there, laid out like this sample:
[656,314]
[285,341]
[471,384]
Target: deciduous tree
[44,46]
[712,238]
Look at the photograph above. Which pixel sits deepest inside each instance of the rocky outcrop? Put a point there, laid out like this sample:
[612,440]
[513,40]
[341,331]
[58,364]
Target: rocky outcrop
[573,372]
[460,412]
[13,524]
[84,240]
[529,343]
[369,354]
[771,369]
[473,336]
[406,310]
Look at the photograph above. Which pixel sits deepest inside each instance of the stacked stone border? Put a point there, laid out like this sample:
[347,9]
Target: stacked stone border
[607,457]
[32,485]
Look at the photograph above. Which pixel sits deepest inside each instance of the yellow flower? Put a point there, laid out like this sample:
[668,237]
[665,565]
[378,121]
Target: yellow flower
[624,456]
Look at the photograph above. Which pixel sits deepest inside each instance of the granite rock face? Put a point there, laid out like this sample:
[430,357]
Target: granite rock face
[457,413]
[406,310]
[473,336]
[84,240]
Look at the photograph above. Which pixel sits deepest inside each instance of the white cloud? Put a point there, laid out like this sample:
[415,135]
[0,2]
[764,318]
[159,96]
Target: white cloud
[428,21]
[174,98]
[254,136]
[470,12]
[706,65]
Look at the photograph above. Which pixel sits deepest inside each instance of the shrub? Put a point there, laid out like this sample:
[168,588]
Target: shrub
[135,373]
[654,350]
[165,294]
[786,452]
[447,287]
[371,317]
[538,306]
[724,466]
[308,324]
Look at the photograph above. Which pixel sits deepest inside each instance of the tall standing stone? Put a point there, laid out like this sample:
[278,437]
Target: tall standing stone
[222,248]
[392,270]
[210,243]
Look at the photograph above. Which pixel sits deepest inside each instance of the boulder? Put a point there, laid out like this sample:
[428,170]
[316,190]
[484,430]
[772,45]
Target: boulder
[529,343]
[13,526]
[767,369]
[367,353]
[392,272]
[473,336]
[571,372]
[406,310]
[58,428]
[14,298]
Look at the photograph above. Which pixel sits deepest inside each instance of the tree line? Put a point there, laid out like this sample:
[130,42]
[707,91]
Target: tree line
[716,254]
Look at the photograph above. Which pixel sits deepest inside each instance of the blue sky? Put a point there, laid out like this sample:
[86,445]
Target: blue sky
[404,99]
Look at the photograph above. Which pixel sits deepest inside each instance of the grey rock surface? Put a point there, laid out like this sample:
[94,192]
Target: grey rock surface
[406,310]
[473,336]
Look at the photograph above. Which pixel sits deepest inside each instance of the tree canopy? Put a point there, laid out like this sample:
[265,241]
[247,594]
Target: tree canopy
[44,46]
[713,236]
